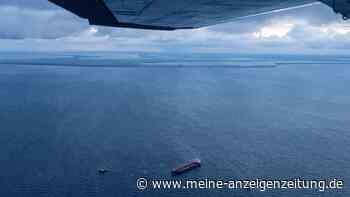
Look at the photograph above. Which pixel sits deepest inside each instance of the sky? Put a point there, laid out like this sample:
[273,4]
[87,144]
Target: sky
[37,25]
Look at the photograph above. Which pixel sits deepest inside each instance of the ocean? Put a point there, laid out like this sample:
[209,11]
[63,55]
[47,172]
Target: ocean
[63,116]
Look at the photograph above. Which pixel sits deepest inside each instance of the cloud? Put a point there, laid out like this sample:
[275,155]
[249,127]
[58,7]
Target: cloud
[40,26]
[23,23]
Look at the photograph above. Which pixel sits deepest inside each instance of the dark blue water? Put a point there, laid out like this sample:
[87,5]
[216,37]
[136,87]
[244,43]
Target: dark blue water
[59,124]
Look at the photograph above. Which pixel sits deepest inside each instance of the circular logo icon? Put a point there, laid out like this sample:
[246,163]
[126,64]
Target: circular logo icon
[141,183]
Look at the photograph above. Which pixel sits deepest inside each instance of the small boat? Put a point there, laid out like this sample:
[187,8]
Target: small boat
[102,171]
[196,163]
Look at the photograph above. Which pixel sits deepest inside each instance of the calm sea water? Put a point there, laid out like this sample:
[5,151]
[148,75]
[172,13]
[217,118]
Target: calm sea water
[60,124]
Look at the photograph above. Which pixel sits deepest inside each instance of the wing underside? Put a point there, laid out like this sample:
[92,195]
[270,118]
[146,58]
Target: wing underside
[170,15]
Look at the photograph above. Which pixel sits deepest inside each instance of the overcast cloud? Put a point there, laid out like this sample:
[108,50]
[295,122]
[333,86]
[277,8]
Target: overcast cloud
[37,25]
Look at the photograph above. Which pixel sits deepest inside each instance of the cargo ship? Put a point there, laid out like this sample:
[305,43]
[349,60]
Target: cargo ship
[191,165]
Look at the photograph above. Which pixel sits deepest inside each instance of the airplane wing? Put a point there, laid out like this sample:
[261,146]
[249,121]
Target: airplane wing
[171,14]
